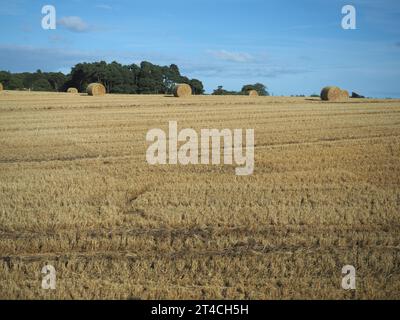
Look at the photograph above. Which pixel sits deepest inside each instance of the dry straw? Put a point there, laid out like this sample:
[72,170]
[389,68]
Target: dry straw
[182,90]
[334,94]
[345,95]
[72,90]
[96,89]
[1,86]
[252,93]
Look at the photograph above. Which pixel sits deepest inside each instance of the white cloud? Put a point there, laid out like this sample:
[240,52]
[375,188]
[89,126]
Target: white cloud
[231,56]
[74,23]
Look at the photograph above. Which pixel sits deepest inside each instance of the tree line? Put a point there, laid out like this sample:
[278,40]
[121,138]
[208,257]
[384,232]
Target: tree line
[146,78]
[259,87]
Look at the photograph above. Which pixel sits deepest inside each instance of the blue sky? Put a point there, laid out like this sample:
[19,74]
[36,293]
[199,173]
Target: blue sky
[292,46]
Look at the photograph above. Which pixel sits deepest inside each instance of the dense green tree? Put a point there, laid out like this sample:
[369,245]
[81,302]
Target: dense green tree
[151,79]
[56,80]
[15,83]
[5,78]
[220,91]
[197,86]
[147,78]
[171,76]
[259,87]
[41,85]
[33,81]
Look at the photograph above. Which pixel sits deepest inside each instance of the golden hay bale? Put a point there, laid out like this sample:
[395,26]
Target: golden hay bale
[72,90]
[1,86]
[182,90]
[96,89]
[345,95]
[331,94]
[252,93]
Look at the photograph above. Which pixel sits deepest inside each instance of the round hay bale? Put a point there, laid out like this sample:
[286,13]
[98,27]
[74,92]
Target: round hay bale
[252,93]
[1,86]
[72,90]
[182,90]
[345,95]
[331,94]
[96,89]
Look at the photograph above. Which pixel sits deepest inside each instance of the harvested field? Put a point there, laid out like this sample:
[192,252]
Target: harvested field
[77,193]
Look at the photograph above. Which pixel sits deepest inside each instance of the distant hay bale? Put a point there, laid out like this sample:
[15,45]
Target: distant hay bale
[182,90]
[96,89]
[252,93]
[72,90]
[331,94]
[345,95]
[1,86]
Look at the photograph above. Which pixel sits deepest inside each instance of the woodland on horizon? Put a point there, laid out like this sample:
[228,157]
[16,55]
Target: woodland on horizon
[146,78]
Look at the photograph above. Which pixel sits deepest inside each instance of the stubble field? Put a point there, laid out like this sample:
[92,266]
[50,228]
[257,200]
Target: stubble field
[76,192]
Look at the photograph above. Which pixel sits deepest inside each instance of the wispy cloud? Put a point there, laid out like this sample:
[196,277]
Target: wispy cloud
[252,71]
[231,56]
[21,58]
[74,24]
[103,6]
[12,8]
[58,39]
[28,58]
